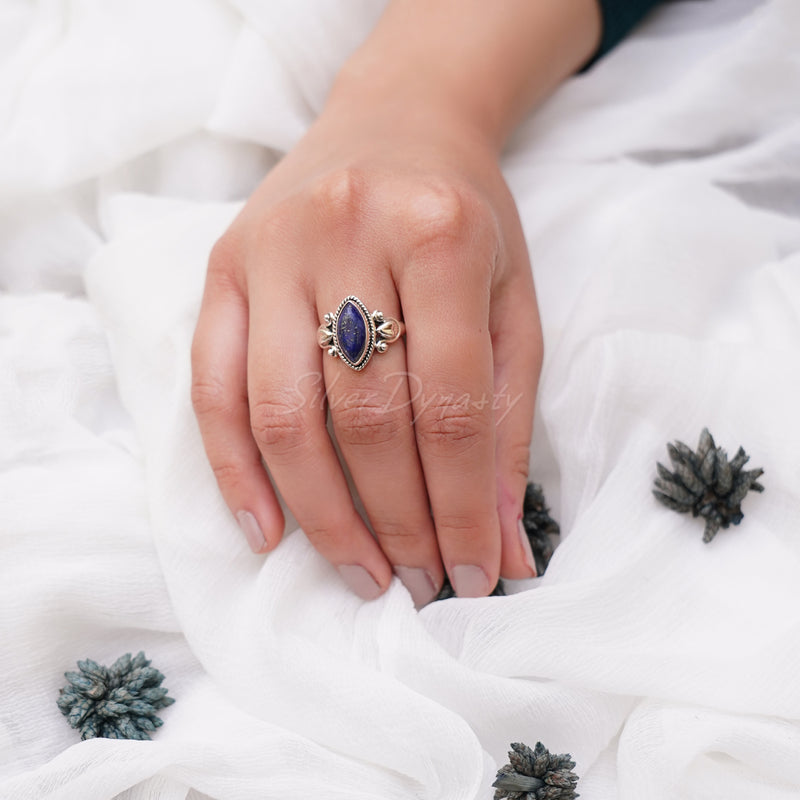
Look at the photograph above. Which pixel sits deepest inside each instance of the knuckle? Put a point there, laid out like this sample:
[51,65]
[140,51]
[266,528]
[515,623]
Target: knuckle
[225,253]
[449,424]
[209,396]
[468,526]
[229,474]
[329,535]
[278,425]
[394,529]
[444,213]
[363,422]
[225,263]
[339,194]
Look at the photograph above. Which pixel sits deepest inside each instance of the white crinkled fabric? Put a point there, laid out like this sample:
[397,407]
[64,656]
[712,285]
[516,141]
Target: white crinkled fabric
[659,193]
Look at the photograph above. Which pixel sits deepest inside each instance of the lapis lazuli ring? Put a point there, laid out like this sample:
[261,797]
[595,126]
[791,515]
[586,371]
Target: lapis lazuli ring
[353,333]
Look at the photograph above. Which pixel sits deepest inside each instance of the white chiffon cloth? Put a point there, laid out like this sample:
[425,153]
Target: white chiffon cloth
[660,196]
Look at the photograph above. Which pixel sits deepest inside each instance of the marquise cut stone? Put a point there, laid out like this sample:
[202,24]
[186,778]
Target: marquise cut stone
[351,332]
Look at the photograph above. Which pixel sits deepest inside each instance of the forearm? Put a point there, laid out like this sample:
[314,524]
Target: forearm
[485,63]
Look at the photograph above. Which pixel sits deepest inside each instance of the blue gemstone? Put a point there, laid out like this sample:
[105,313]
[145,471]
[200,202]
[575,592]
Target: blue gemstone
[351,331]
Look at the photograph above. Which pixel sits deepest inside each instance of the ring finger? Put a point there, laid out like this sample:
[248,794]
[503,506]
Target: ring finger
[372,421]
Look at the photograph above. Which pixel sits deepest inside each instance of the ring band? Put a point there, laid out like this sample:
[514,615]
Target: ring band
[353,333]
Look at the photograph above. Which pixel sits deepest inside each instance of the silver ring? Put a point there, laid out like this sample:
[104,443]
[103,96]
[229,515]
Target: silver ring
[354,333]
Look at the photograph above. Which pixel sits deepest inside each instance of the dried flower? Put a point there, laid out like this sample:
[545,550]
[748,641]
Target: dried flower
[538,525]
[536,775]
[707,483]
[116,702]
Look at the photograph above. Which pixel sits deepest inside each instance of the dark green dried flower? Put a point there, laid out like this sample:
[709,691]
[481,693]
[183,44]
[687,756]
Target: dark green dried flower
[538,525]
[116,702]
[707,483]
[536,775]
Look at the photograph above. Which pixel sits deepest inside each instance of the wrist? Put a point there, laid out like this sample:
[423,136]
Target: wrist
[384,93]
[482,65]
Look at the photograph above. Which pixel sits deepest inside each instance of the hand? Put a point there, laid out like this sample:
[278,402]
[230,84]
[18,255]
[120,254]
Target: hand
[413,217]
[395,196]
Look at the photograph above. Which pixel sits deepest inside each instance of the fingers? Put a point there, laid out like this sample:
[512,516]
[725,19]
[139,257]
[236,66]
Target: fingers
[288,425]
[372,421]
[435,431]
[219,396]
[517,344]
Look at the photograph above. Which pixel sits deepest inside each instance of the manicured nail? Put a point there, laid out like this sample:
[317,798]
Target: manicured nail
[252,531]
[526,548]
[419,583]
[360,581]
[470,581]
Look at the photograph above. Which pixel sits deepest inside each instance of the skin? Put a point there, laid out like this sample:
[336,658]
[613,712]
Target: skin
[395,195]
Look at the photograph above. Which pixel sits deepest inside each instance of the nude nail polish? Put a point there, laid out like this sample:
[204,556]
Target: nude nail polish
[419,583]
[526,548]
[252,531]
[470,581]
[360,581]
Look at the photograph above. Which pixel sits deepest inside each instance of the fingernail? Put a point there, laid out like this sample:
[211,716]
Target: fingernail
[419,583]
[526,547]
[360,581]
[252,531]
[470,581]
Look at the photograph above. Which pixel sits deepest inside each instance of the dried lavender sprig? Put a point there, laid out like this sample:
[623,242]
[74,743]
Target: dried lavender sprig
[116,702]
[536,774]
[707,484]
[539,526]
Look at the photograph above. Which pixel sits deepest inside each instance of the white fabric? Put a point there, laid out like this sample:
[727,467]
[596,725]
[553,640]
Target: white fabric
[659,193]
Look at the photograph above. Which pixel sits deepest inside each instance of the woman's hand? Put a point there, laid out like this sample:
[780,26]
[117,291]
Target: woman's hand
[395,197]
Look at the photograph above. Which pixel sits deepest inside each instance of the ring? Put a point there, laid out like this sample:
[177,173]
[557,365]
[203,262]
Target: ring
[353,333]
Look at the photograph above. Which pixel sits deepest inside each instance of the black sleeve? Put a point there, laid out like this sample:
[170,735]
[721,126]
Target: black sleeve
[619,17]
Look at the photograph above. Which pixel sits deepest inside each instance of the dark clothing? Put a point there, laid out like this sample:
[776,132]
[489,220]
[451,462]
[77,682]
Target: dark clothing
[619,16]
